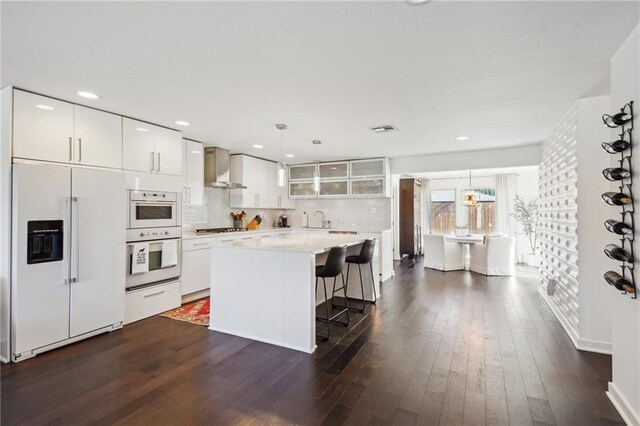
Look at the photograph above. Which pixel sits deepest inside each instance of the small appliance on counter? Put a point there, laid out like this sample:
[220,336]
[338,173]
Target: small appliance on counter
[282,221]
[255,223]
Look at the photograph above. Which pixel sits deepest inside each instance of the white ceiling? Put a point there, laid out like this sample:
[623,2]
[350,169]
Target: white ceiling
[499,72]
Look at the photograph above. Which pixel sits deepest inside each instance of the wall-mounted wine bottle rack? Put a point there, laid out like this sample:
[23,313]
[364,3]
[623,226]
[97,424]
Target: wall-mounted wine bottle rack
[624,122]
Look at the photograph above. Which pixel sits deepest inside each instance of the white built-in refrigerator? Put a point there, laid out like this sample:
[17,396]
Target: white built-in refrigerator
[68,269]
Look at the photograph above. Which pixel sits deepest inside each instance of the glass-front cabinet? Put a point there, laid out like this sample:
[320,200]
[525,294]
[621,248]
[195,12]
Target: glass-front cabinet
[301,172]
[334,188]
[338,170]
[368,168]
[338,179]
[368,187]
[301,189]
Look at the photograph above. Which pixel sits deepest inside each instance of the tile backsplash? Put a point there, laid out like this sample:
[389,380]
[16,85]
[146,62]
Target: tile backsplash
[216,213]
[344,213]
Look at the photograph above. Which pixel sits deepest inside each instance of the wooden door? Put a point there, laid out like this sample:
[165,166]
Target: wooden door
[406,217]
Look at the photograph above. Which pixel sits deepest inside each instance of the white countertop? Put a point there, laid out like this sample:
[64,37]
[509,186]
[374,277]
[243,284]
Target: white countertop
[188,235]
[312,244]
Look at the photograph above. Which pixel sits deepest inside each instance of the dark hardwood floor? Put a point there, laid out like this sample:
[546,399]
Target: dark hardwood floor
[438,348]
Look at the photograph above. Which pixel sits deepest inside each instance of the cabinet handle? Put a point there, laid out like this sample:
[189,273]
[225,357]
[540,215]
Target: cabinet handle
[200,244]
[80,150]
[153,294]
[226,241]
[70,148]
[153,166]
[158,162]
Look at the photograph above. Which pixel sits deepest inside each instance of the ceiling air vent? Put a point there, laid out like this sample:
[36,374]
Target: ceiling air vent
[384,129]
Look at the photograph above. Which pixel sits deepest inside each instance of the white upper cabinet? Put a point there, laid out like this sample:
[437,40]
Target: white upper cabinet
[368,168]
[42,128]
[338,170]
[138,144]
[193,172]
[149,148]
[301,172]
[355,178]
[278,195]
[98,138]
[51,130]
[260,178]
[169,151]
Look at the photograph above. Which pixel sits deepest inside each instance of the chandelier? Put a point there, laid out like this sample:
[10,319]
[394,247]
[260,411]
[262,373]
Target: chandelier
[470,195]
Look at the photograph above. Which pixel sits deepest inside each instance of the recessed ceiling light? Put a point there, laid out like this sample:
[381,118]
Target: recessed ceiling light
[384,128]
[290,155]
[88,95]
[142,129]
[462,138]
[258,146]
[182,123]
[45,107]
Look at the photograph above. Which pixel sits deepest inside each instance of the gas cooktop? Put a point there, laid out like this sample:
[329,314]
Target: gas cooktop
[218,230]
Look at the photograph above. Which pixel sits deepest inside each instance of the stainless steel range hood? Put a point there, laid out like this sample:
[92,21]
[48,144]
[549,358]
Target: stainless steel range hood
[216,169]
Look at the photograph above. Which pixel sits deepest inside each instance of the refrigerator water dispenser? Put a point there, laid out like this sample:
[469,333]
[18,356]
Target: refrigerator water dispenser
[44,241]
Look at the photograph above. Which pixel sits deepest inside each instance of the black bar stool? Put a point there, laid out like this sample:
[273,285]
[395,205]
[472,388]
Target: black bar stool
[331,269]
[365,256]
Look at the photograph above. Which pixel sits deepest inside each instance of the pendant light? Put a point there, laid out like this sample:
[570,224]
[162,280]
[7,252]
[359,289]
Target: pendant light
[316,172]
[470,195]
[282,167]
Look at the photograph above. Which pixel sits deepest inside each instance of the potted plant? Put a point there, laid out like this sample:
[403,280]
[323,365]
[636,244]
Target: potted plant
[527,216]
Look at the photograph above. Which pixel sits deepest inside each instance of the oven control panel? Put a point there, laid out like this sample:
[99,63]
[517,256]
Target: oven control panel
[153,233]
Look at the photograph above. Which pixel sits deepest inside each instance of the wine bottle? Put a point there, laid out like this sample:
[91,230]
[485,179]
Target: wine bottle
[618,253]
[616,198]
[617,227]
[616,146]
[616,173]
[616,120]
[618,281]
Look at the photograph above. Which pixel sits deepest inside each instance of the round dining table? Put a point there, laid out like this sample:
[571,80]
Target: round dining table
[467,240]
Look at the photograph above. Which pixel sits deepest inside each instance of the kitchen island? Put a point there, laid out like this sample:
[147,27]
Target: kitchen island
[264,289]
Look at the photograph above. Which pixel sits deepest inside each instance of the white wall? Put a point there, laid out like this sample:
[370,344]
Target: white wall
[528,155]
[572,234]
[595,295]
[624,389]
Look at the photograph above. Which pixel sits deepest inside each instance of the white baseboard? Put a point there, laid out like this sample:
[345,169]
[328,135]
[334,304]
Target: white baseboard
[595,346]
[579,343]
[625,409]
[563,320]
[195,296]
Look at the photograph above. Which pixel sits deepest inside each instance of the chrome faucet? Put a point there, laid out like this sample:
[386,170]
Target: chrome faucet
[324,222]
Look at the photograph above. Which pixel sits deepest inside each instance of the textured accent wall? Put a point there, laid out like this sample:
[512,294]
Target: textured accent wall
[572,233]
[558,239]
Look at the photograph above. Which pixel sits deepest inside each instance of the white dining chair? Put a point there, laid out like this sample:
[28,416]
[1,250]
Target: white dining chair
[496,256]
[441,254]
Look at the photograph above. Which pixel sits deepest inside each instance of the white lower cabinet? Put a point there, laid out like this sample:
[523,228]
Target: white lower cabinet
[196,267]
[149,301]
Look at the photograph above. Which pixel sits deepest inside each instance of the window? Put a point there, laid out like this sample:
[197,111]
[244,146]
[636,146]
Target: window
[482,217]
[443,211]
